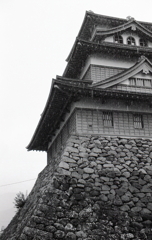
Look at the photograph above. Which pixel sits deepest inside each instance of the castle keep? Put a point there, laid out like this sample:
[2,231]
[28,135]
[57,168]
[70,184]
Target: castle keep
[96,128]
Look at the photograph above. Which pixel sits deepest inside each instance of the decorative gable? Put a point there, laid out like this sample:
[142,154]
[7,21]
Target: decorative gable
[131,33]
[138,75]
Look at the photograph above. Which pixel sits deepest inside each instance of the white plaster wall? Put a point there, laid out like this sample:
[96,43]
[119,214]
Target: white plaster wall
[113,104]
[111,61]
[130,34]
[149,44]
[109,39]
[125,35]
[142,75]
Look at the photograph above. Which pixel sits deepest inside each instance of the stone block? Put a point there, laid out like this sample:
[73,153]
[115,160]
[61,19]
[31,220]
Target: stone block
[65,172]
[146,189]
[96,150]
[93,164]
[145,211]
[103,159]
[128,146]
[68,160]
[59,234]
[125,208]
[81,234]
[136,209]
[125,198]
[105,188]
[149,206]
[64,165]
[103,198]
[105,179]
[108,165]
[83,154]
[117,201]
[76,175]
[88,170]
[122,154]
[70,236]
[93,154]
[72,150]
[111,197]
[126,174]
[85,176]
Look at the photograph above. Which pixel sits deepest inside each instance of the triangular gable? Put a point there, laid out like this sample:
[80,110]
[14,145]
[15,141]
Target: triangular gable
[144,66]
[133,24]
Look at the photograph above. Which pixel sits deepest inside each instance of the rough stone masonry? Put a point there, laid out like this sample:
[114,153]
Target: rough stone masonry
[99,188]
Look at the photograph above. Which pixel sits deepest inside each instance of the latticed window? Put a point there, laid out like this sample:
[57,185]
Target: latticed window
[132,81]
[138,121]
[131,41]
[118,39]
[142,42]
[140,82]
[107,119]
[147,83]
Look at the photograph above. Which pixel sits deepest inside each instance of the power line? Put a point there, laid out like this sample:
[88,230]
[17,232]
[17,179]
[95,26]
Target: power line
[17,182]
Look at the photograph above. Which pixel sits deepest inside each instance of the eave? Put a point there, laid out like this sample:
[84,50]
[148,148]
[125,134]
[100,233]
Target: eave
[91,20]
[82,49]
[56,106]
[56,100]
[132,24]
[62,94]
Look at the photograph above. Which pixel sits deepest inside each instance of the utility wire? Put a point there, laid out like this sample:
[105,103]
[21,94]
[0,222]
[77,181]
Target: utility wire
[17,182]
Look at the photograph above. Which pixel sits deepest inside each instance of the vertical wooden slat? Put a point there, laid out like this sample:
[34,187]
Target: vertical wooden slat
[99,73]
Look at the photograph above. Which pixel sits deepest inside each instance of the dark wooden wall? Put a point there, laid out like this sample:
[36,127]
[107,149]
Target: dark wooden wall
[98,73]
[89,121]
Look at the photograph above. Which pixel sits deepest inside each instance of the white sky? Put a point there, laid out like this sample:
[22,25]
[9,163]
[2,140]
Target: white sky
[36,37]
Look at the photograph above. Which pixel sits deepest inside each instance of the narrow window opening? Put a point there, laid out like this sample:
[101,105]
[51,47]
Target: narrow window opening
[118,39]
[138,121]
[107,119]
[131,41]
[142,42]
[132,81]
[90,126]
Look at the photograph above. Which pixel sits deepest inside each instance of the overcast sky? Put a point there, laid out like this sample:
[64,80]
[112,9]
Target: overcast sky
[36,37]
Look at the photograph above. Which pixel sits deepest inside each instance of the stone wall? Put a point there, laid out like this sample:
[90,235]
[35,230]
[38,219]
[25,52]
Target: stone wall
[99,188]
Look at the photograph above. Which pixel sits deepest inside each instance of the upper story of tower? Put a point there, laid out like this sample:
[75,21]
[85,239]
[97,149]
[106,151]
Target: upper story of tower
[106,87]
[106,46]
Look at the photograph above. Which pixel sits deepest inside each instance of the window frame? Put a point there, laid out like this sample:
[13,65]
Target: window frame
[140,82]
[132,41]
[143,42]
[107,118]
[118,39]
[138,121]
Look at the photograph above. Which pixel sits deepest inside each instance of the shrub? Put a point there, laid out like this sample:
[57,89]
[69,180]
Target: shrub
[20,200]
[2,230]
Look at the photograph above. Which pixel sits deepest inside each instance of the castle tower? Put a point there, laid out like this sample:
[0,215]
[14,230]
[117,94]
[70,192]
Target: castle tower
[96,128]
